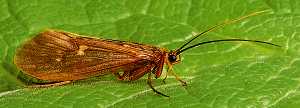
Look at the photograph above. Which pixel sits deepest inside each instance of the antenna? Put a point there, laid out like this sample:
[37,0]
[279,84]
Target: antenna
[224,40]
[226,22]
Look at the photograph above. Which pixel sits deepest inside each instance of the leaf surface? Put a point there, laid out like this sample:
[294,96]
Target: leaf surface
[232,74]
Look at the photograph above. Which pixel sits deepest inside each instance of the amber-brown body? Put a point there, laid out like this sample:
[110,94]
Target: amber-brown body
[61,56]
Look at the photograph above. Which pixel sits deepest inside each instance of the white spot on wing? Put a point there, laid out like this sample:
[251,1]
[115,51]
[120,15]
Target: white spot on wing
[81,49]
[58,59]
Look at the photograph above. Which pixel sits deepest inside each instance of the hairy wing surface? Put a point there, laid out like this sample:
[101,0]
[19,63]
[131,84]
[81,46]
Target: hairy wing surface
[62,56]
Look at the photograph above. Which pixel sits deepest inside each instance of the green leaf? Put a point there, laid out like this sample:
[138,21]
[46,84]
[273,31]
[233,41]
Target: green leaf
[232,74]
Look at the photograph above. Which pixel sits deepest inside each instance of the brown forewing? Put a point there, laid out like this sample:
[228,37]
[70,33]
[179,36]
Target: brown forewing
[62,56]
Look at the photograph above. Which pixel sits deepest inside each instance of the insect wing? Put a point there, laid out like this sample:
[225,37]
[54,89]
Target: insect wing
[62,56]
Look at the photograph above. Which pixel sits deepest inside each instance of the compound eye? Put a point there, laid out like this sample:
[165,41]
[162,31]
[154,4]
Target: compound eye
[172,58]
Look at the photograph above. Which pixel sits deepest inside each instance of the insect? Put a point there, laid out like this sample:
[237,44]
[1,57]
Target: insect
[63,57]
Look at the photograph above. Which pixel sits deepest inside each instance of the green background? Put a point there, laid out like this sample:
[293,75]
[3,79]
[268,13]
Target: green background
[234,74]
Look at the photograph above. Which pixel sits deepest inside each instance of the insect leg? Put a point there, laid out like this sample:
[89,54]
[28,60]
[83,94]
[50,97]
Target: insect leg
[164,80]
[170,70]
[158,72]
[50,85]
[179,79]
[149,82]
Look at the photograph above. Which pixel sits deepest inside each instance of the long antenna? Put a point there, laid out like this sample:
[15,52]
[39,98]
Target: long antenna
[224,40]
[221,25]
